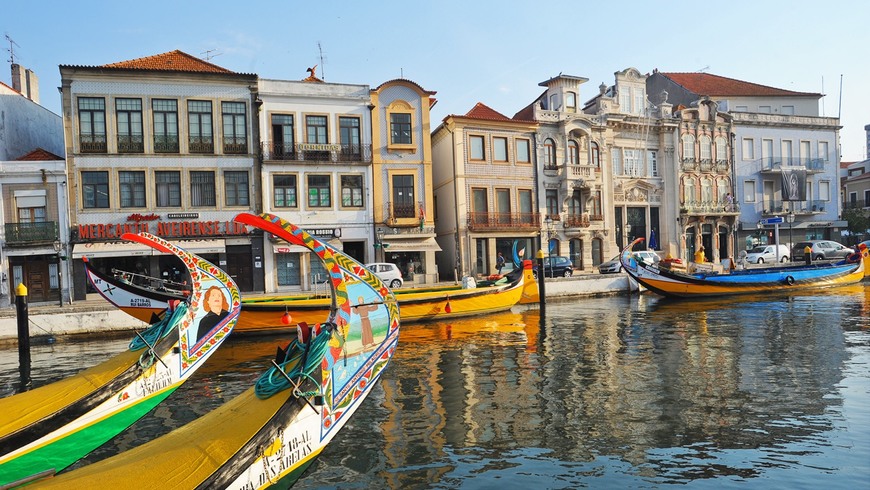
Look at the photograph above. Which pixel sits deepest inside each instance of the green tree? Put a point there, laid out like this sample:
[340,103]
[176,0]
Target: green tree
[858,222]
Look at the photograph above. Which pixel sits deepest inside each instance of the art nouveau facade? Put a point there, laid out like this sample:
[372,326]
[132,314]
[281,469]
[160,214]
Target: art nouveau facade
[165,144]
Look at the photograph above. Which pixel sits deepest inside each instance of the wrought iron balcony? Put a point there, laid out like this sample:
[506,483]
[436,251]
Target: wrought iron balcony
[235,146]
[166,144]
[94,143]
[711,208]
[857,204]
[21,234]
[201,144]
[131,143]
[308,152]
[775,164]
[486,221]
[576,221]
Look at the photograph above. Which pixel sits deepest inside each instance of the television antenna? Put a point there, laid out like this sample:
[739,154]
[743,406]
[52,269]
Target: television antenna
[208,54]
[11,49]
[322,65]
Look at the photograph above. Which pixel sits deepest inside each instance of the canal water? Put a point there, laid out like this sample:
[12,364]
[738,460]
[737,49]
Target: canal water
[613,392]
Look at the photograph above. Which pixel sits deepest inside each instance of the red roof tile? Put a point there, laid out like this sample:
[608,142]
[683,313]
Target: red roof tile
[171,61]
[714,85]
[482,111]
[39,155]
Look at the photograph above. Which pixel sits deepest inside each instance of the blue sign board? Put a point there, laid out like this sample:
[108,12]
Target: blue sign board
[772,221]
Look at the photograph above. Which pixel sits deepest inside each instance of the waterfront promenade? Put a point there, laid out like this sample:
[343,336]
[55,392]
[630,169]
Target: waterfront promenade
[51,322]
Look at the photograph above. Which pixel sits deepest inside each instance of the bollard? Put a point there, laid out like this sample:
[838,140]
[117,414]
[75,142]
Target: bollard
[808,255]
[542,300]
[23,336]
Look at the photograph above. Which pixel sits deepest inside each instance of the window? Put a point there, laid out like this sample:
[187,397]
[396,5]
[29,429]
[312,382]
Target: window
[549,154]
[31,214]
[235,127]
[748,149]
[721,150]
[400,129]
[596,204]
[284,191]
[764,109]
[787,152]
[575,204]
[352,191]
[479,206]
[688,147]
[316,130]
[524,199]
[706,191]
[95,190]
[288,270]
[823,151]
[168,188]
[503,205]
[554,102]
[476,145]
[639,98]
[319,191]
[616,155]
[825,190]
[523,151]
[92,125]
[282,136]
[349,136]
[403,196]
[595,154]
[788,110]
[689,196]
[633,163]
[499,149]
[573,153]
[165,114]
[132,186]
[571,102]
[748,191]
[652,163]
[202,190]
[625,100]
[552,197]
[706,148]
[129,115]
[199,126]
[236,188]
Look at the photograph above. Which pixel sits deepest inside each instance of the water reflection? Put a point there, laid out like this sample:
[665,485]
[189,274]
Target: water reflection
[617,391]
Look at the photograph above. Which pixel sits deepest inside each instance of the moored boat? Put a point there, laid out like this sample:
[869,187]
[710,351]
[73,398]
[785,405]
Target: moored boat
[49,428]
[277,314]
[271,433]
[673,283]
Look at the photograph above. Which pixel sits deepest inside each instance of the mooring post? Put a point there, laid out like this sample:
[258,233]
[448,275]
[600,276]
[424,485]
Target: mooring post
[23,335]
[542,300]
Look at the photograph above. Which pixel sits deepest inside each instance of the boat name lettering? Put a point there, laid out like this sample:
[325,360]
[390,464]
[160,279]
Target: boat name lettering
[290,453]
[164,229]
[152,384]
[140,302]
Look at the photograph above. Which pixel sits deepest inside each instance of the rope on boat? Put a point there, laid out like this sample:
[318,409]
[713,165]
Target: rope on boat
[272,382]
[159,330]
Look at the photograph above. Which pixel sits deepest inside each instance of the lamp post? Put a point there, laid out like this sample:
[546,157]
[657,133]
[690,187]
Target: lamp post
[548,221]
[380,234]
[57,250]
[627,234]
[790,219]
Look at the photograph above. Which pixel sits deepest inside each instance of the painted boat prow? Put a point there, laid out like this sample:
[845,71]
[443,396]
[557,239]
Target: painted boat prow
[272,432]
[47,429]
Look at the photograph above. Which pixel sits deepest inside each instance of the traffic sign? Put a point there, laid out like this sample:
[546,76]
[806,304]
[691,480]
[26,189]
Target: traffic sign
[772,221]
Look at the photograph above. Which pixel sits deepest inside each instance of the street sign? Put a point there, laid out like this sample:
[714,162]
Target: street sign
[772,221]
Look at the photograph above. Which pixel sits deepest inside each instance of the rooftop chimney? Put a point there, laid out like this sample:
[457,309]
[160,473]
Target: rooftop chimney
[26,82]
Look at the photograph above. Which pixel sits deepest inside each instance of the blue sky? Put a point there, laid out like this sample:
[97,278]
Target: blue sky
[468,51]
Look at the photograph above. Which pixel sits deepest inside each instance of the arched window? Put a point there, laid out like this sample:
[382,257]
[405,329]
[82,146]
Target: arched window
[575,206]
[721,149]
[573,153]
[595,156]
[707,191]
[706,148]
[689,192]
[721,189]
[575,251]
[688,147]
[549,153]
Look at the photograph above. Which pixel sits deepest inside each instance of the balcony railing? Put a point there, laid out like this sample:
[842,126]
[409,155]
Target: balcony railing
[576,221]
[486,221]
[775,164]
[131,143]
[95,143]
[30,233]
[402,214]
[711,207]
[307,152]
[858,204]
[235,146]
[166,144]
[201,144]
[809,206]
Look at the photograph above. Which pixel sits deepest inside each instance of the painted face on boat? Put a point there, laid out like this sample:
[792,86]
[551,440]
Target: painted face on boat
[214,301]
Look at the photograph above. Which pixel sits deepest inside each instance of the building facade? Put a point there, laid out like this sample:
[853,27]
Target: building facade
[165,144]
[486,192]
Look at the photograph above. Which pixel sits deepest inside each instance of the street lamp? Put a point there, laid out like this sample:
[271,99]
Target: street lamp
[627,234]
[790,219]
[548,221]
[58,247]
[380,244]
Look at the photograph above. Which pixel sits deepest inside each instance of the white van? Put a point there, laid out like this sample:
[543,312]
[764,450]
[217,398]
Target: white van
[767,254]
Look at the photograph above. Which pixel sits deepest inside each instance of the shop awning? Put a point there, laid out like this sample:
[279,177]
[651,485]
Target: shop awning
[427,244]
[99,250]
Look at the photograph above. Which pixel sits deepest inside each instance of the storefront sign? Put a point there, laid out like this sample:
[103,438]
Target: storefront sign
[164,229]
[143,217]
[330,232]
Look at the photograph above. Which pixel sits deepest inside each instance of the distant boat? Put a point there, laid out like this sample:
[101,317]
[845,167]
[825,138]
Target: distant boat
[672,283]
[275,314]
[47,429]
[271,433]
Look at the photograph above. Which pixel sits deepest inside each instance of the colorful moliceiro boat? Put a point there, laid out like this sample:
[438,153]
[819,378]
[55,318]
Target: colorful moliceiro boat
[271,433]
[748,281]
[47,429]
[277,314]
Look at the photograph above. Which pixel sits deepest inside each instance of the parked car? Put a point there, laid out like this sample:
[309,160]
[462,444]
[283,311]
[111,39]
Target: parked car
[613,265]
[389,273]
[822,249]
[768,254]
[556,266]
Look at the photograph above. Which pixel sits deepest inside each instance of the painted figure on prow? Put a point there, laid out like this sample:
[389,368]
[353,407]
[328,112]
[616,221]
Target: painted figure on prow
[217,308]
[363,311]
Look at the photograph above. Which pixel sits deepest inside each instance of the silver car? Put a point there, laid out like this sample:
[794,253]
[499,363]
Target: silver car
[613,265]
